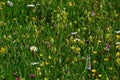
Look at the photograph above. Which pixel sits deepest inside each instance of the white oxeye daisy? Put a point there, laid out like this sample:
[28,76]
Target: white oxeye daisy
[33,48]
[117,43]
[118,32]
[34,63]
[77,39]
[30,5]
[73,33]
[9,3]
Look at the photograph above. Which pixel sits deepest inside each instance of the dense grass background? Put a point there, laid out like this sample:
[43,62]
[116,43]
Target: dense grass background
[75,40]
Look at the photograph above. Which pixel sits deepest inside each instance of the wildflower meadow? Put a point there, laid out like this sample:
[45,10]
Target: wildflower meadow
[59,40]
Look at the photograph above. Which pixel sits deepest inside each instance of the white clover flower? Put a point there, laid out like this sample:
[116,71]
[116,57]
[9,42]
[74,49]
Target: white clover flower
[33,48]
[118,32]
[9,3]
[34,63]
[30,5]
[73,33]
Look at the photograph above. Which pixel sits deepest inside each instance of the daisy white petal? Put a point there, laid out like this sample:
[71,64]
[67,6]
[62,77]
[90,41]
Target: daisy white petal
[34,63]
[117,42]
[9,3]
[73,33]
[30,5]
[118,32]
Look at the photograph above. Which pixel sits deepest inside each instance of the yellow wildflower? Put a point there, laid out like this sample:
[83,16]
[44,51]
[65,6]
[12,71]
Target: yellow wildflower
[82,42]
[118,46]
[22,78]
[118,54]
[33,18]
[71,38]
[118,60]
[78,29]
[94,61]
[70,4]
[42,64]
[106,59]
[51,40]
[96,79]
[46,63]
[107,36]
[110,68]
[3,3]
[72,47]
[116,15]
[90,38]
[45,78]
[14,19]
[94,52]
[99,75]
[37,69]
[2,50]
[41,55]
[77,49]
[107,79]
[117,36]
[99,41]
[93,70]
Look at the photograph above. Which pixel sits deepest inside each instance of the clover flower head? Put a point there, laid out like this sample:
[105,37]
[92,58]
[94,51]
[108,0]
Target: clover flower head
[32,75]
[9,3]
[33,48]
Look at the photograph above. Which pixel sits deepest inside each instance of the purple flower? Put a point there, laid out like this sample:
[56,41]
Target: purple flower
[17,79]
[32,75]
[107,46]
[14,74]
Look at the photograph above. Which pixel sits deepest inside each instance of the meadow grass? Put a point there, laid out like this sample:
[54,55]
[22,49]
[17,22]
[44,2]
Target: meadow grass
[59,40]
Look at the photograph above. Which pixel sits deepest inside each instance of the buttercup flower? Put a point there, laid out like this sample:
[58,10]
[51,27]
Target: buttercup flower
[93,70]
[94,52]
[99,75]
[110,68]
[118,60]
[2,50]
[118,54]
